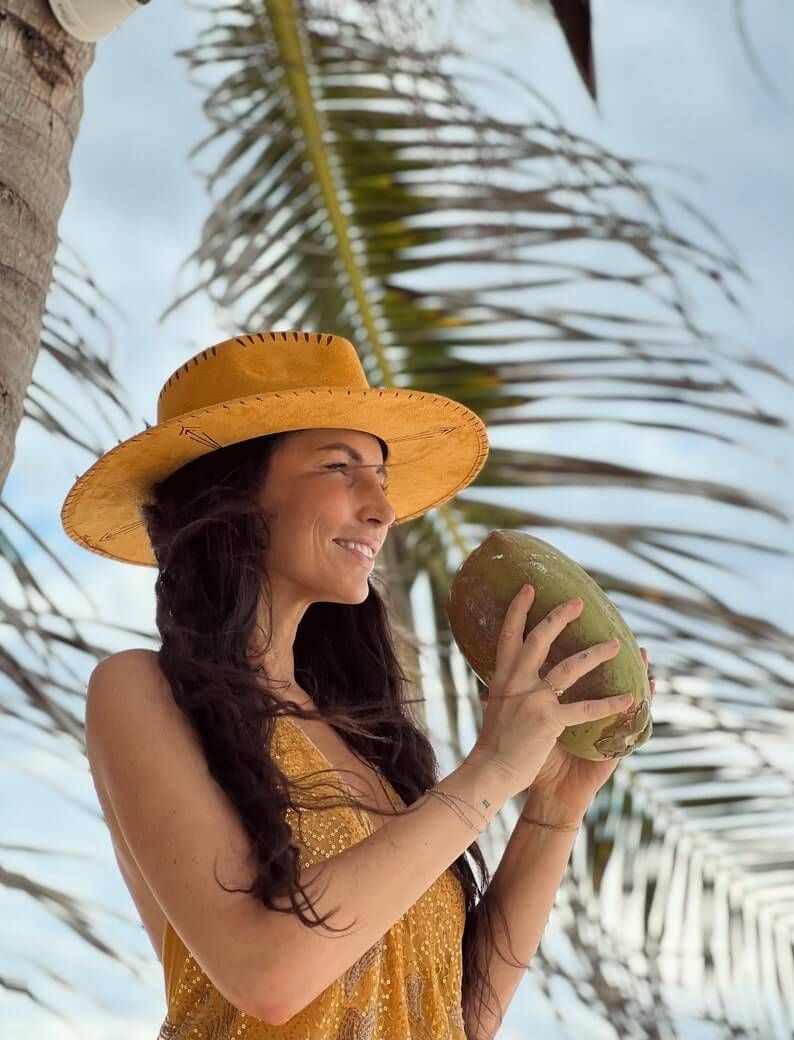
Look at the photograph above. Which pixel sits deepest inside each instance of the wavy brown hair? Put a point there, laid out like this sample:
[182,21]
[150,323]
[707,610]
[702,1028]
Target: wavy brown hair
[209,536]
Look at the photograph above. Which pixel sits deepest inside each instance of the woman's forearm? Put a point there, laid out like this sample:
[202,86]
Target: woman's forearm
[525,883]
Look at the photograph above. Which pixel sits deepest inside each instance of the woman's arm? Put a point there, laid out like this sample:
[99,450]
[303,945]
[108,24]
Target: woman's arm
[525,883]
[375,881]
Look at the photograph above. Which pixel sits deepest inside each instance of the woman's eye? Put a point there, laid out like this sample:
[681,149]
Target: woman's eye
[344,465]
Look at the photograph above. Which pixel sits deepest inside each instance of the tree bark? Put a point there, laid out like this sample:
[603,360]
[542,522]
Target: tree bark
[42,70]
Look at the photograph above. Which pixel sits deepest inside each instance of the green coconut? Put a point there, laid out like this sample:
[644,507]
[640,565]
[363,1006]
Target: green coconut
[484,587]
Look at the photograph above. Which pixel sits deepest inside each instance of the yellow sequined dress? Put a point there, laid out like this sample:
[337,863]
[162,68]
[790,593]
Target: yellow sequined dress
[405,987]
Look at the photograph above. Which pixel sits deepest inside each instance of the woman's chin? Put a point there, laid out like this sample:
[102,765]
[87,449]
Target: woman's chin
[349,595]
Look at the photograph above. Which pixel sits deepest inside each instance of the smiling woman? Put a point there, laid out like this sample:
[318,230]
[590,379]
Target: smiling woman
[324,619]
[278,665]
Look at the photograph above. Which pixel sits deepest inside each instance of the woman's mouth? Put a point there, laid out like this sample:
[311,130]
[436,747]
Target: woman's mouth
[366,561]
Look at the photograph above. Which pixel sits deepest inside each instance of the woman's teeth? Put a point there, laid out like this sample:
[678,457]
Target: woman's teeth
[359,555]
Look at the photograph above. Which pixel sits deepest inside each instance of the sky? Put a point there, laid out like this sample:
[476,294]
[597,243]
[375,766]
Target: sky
[675,86]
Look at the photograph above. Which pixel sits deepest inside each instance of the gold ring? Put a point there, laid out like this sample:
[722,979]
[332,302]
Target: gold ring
[557,693]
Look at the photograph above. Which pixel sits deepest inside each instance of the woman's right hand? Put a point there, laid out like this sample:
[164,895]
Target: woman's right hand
[523,717]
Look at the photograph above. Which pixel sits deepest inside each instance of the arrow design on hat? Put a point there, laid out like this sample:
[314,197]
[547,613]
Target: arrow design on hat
[108,536]
[199,436]
[423,435]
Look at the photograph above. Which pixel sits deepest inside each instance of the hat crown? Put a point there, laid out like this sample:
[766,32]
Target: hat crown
[260,363]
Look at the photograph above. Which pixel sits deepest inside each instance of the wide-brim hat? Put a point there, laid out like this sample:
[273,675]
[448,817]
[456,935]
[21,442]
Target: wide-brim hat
[267,382]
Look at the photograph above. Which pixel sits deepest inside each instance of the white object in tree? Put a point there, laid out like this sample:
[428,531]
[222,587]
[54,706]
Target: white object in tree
[90,20]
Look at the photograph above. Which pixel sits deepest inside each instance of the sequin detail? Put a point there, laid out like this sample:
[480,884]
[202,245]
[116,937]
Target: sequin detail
[358,1026]
[209,1016]
[407,986]
[354,974]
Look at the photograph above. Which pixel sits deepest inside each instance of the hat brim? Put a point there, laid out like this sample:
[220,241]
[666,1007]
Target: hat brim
[437,447]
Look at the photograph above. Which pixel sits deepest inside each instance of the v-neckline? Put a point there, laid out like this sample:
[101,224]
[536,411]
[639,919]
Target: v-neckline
[338,775]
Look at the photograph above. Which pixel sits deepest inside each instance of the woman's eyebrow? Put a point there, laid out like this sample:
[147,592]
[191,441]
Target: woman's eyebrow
[354,455]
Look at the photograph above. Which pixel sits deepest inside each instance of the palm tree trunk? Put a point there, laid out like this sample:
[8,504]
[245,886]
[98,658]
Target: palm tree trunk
[41,103]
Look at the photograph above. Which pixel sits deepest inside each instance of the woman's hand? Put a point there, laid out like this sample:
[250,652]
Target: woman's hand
[570,783]
[523,716]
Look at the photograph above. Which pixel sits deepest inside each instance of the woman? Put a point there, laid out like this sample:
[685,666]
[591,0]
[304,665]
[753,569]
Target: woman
[269,741]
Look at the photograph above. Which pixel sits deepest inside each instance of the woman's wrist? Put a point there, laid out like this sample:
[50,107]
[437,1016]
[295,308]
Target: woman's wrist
[546,809]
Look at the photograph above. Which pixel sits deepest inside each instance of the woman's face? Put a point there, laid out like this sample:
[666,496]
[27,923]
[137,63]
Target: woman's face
[313,495]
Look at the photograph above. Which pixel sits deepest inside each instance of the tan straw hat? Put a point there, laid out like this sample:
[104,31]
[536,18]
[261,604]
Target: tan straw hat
[267,382]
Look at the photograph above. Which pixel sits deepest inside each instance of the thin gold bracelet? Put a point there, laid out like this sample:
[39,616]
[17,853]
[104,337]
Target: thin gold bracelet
[457,798]
[448,800]
[551,826]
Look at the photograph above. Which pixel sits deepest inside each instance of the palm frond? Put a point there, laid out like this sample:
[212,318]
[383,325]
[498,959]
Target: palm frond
[66,356]
[42,691]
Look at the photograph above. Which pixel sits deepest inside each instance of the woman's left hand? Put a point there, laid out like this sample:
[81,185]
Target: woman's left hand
[570,782]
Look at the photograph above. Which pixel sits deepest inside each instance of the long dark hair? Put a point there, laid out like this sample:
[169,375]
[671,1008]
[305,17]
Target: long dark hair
[209,535]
